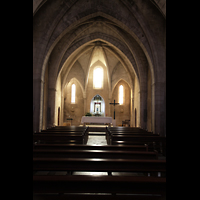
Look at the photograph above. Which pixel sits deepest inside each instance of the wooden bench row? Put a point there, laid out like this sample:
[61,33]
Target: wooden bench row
[130,129]
[91,147]
[67,129]
[126,130]
[109,158]
[43,153]
[130,136]
[76,135]
[98,196]
[77,187]
[99,165]
[154,142]
[76,138]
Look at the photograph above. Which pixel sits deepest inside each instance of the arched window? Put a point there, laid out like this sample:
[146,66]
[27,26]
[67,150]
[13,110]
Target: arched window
[98,78]
[73,93]
[121,95]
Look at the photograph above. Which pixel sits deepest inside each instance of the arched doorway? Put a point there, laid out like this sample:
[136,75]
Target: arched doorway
[97,106]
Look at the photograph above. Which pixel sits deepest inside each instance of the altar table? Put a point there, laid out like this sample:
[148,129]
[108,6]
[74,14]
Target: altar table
[97,120]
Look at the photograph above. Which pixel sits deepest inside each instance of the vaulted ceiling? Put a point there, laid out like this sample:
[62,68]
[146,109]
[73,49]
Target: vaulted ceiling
[66,32]
[129,35]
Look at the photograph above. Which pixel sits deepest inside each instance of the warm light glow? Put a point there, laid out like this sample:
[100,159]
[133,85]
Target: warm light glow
[73,94]
[98,78]
[121,94]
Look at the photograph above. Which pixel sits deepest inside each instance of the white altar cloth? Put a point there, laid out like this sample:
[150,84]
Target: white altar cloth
[86,119]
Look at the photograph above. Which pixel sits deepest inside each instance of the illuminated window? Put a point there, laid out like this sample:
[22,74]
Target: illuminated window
[98,78]
[73,94]
[121,94]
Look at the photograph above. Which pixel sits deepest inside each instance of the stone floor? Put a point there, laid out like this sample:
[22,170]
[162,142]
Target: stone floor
[96,140]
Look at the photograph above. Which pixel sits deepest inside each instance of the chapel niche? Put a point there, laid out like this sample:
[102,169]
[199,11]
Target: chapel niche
[97,106]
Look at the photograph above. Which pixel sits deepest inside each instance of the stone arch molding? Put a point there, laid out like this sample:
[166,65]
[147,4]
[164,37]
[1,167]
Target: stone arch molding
[143,42]
[53,20]
[121,79]
[75,80]
[124,59]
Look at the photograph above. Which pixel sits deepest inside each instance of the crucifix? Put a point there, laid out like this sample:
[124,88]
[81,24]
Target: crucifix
[114,106]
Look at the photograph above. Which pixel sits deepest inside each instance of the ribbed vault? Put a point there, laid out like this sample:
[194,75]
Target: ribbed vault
[126,36]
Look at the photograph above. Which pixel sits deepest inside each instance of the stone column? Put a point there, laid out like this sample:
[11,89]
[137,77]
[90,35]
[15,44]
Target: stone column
[62,109]
[143,109]
[158,109]
[85,105]
[38,86]
[132,123]
[51,107]
[143,105]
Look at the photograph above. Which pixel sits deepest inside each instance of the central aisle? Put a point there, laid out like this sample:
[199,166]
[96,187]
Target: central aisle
[96,140]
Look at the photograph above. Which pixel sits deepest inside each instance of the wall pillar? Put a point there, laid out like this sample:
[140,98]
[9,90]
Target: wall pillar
[143,109]
[85,105]
[51,107]
[62,109]
[143,105]
[158,109]
[132,121]
[38,86]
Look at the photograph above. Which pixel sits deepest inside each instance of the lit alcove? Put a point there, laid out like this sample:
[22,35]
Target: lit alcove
[97,106]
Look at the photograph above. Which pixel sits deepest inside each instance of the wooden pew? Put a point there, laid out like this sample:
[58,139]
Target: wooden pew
[154,142]
[68,129]
[110,158]
[98,196]
[72,135]
[64,133]
[99,165]
[61,131]
[143,188]
[91,147]
[94,154]
[132,129]
[126,131]
[77,138]
[136,138]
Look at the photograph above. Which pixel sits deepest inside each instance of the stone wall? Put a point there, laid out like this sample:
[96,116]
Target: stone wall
[122,112]
[71,110]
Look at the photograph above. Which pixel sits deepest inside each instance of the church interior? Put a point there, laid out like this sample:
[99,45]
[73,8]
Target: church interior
[104,60]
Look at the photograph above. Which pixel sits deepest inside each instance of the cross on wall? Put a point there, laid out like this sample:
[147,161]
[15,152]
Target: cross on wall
[114,106]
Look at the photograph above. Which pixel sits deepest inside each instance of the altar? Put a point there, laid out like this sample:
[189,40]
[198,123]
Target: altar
[97,120]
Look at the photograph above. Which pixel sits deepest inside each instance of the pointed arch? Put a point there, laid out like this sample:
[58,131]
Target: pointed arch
[121,79]
[72,80]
